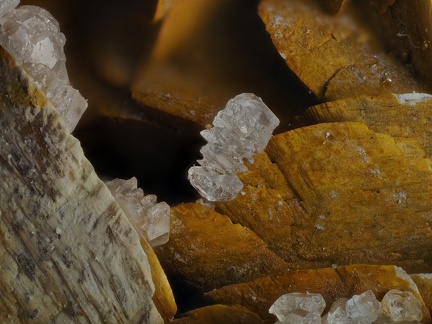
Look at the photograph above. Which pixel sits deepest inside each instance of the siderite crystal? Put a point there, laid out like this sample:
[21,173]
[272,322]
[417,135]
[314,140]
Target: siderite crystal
[32,35]
[401,306]
[242,129]
[152,219]
[298,308]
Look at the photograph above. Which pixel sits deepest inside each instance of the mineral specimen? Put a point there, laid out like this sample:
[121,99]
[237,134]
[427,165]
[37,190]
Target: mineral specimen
[298,308]
[7,5]
[68,253]
[363,308]
[337,313]
[32,35]
[401,306]
[240,130]
[151,219]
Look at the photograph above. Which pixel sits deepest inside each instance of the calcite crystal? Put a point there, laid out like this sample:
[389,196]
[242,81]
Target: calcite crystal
[151,219]
[401,306]
[331,283]
[298,308]
[242,129]
[7,5]
[396,307]
[363,308]
[32,35]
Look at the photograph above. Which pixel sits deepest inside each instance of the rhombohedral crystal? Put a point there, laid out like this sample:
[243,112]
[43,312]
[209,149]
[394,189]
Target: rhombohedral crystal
[32,35]
[150,218]
[242,129]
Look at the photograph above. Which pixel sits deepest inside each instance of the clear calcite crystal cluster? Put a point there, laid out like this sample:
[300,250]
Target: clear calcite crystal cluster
[152,219]
[242,129]
[396,307]
[32,35]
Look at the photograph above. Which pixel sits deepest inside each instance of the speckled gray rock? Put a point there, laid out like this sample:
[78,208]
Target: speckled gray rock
[68,253]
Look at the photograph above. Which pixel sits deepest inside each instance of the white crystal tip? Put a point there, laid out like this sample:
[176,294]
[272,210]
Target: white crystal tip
[242,129]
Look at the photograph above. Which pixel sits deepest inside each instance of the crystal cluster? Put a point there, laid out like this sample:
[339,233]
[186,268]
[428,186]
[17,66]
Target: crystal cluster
[32,35]
[242,129]
[150,218]
[396,307]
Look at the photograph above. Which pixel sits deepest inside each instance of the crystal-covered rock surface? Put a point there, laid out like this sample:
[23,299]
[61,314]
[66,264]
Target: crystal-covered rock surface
[242,129]
[298,308]
[149,217]
[32,35]
[402,307]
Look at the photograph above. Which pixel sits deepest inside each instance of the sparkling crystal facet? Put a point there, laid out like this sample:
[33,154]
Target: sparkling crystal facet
[32,35]
[401,306]
[298,308]
[242,129]
[7,5]
[337,313]
[151,218]
[363,308]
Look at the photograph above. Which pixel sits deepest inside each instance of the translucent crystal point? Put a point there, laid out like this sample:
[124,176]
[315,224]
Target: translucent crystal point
[7,5]
[298,308]
[337,313]
[32,35]
[242,129]
[150,218]
[401,306]
[363,308]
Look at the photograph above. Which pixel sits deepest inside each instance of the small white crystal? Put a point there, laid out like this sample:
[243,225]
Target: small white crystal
[7,5]
[32,35]
[401,306]
[412,98]
[242,129]
[363,308]
[298,308]
[337,313]
[150,218]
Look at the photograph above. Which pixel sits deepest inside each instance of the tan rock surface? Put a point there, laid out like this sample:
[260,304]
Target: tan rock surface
[163,296]
[336,57]
[332,283]
[372,208]
[423,282]
[66,247]
[207,251]
[217,314]
[408,122]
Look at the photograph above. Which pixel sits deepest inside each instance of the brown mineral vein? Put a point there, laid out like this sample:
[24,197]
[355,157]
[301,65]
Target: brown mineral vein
[68,253]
